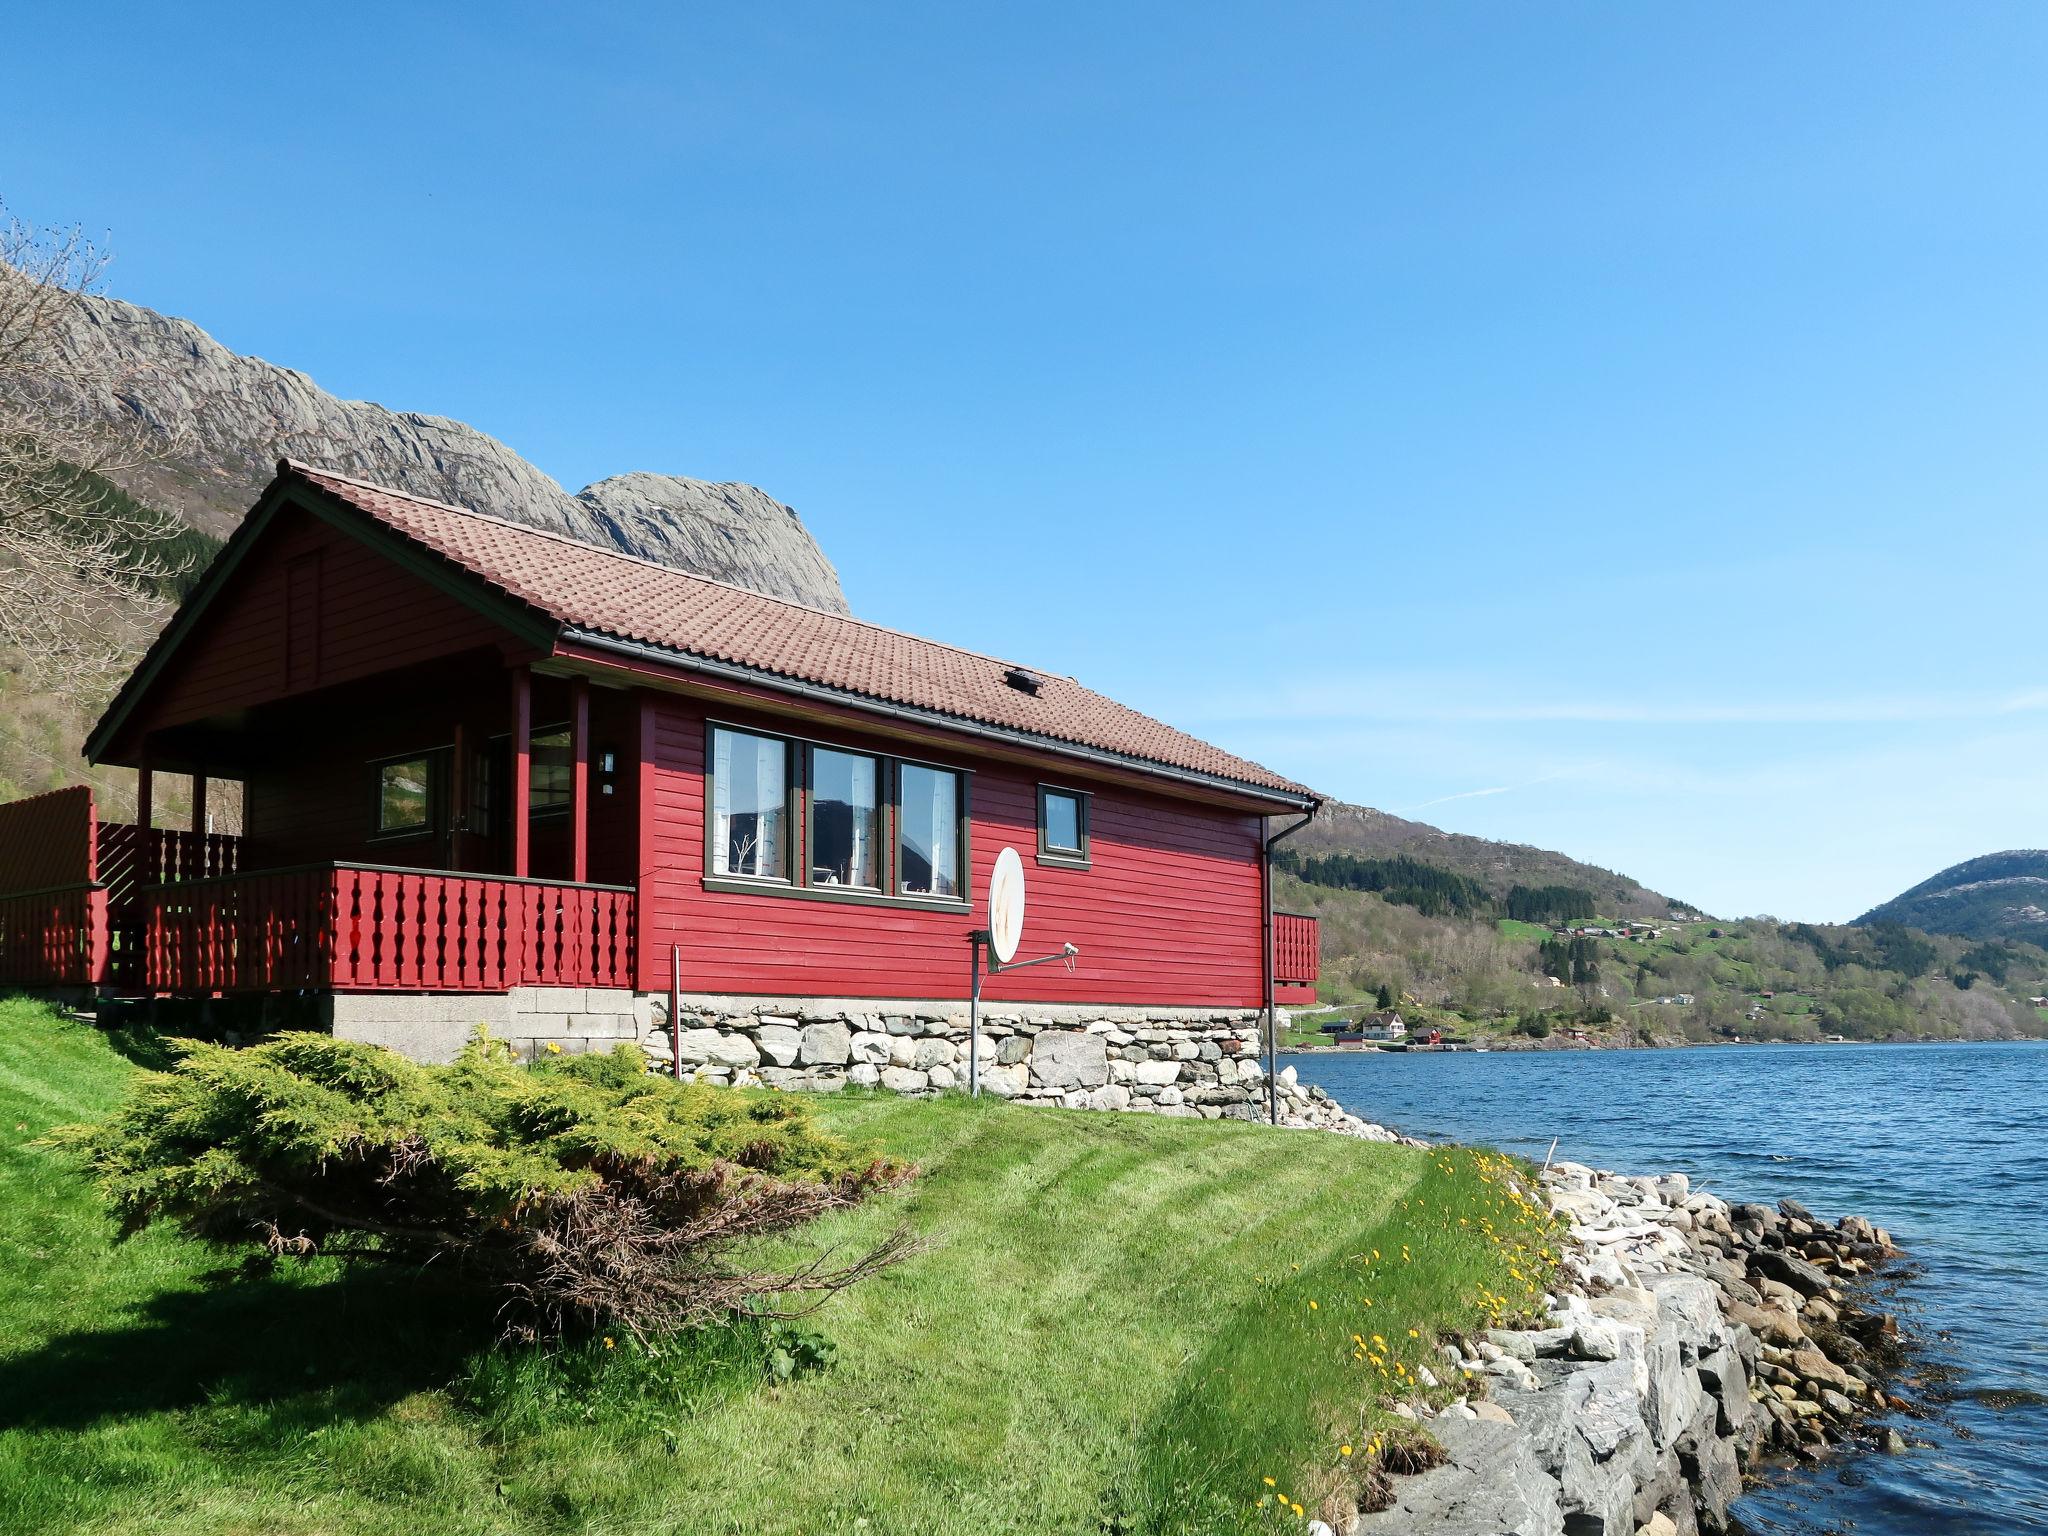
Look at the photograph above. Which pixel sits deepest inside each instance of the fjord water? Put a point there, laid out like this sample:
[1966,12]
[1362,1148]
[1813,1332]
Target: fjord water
[1945,1145]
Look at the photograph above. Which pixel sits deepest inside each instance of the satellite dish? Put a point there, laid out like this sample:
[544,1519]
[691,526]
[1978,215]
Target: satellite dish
[1006,906]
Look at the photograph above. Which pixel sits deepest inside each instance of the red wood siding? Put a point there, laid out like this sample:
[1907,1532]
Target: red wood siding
[309,607]
[47,840]
[1168,914]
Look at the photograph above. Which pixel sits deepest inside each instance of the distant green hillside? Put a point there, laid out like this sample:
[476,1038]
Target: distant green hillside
[1998,896]
[1397,933]
[1359,832]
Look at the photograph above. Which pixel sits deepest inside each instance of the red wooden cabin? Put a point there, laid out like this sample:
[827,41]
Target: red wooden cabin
[477,757]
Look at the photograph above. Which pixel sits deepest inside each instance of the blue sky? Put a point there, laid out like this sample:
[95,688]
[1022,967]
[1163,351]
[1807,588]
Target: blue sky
[1616,428]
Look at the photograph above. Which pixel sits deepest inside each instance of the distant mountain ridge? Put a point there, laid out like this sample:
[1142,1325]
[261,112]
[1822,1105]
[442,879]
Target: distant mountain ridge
[1995,896]
[224,420]
[1367,833]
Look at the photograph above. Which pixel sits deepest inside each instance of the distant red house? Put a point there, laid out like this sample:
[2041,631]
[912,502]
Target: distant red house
[476,757]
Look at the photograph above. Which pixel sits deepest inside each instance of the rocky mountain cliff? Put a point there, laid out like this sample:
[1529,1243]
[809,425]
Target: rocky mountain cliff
[1371,834]
[224,420]
[1997,896]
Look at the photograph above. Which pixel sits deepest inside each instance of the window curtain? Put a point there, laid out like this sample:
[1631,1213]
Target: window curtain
[721,802]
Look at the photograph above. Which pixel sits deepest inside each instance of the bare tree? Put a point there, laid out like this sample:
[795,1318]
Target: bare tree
[81,565]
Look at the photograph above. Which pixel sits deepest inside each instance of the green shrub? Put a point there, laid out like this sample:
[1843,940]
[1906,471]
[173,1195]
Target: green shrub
[581,1190]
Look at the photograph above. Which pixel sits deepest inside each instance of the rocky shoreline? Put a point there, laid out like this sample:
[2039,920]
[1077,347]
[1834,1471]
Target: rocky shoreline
[1690,1343]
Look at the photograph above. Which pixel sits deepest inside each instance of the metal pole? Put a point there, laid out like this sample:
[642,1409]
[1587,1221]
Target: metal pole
[1272,1030]
[675,1003]
[974,1019]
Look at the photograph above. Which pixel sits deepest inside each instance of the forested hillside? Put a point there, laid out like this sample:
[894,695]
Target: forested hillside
[1396,933]
[1360,832]
[1998,896]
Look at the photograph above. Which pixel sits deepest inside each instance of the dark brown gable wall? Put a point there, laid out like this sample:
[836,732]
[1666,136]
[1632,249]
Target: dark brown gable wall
[310,607]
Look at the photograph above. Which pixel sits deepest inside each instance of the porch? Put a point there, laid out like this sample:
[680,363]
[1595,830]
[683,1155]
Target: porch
[437,842]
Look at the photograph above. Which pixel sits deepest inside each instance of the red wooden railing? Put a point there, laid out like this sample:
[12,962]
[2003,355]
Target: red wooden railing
[362,928]
[54,938]
[1297,949]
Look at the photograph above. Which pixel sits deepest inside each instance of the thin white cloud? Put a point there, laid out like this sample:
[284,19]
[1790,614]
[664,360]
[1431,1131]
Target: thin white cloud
[1477,794]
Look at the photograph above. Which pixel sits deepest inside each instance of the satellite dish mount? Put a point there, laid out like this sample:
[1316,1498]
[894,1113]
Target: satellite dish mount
[1004,932]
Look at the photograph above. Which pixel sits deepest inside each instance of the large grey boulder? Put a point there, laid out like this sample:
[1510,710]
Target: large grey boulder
[712,1047]
[1065,1059]
[1491,1485]
[827,1044]
[1710,1467]
[1693,1305]
[1588,1432]
[1675,1395]
[1790,1269]
[780,1043]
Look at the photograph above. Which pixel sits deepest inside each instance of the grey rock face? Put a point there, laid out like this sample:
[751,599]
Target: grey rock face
[735,532]
[1588,1432]
[1492,1485]
[224,420]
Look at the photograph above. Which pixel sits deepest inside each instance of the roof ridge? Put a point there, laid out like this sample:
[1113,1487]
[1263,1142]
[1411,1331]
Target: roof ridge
[668,570]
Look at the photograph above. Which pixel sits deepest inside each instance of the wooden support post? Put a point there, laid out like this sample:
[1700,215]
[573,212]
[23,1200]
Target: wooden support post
[579,780]
[145,792]
[199,826]
[458,795]
[519,812]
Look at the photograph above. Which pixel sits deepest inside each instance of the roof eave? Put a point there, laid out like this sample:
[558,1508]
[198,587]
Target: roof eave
[685,661]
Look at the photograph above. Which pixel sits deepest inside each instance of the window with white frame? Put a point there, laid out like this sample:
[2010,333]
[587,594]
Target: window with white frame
[749,805]
[927,831]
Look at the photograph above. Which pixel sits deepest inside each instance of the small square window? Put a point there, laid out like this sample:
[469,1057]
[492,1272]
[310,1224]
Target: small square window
[405,796]
[1062,826]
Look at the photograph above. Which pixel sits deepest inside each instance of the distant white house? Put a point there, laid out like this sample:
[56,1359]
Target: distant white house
[1382,1026]
[1677,1000]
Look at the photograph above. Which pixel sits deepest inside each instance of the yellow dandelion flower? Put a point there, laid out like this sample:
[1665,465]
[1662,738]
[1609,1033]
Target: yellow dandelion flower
[1269,1482]
[610,1343]
[1343,1450]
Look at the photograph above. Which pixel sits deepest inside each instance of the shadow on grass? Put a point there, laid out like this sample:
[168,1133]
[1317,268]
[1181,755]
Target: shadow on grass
[318,1350]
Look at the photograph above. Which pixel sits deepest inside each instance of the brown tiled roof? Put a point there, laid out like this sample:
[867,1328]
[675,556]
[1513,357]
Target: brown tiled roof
[584,587]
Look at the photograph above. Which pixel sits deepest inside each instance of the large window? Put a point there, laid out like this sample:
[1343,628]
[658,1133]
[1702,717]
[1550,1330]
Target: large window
[749,805]
[927,831]
[831,824]
[550,783]
[1062,826]
[405,796]
[846,812]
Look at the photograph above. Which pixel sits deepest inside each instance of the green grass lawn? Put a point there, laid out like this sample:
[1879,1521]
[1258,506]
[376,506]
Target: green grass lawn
[1118,1323]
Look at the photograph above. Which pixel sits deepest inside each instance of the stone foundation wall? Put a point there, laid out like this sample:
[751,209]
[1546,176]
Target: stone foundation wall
[1191,1063]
